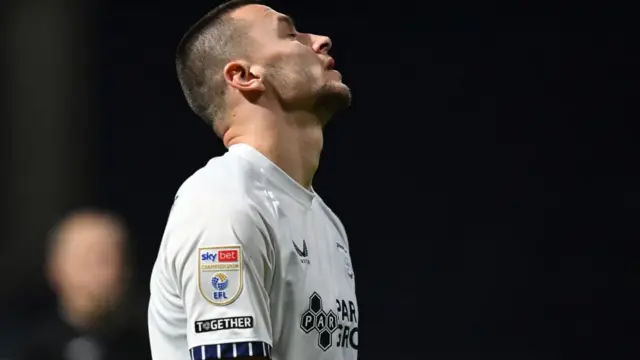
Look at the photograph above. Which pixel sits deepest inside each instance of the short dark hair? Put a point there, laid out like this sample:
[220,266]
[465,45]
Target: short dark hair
[203,53]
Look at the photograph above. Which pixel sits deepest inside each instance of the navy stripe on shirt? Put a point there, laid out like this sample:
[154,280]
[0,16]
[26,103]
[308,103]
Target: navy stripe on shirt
[231,351]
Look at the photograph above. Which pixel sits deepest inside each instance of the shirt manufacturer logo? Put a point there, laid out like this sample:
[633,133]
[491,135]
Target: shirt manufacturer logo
[304,253]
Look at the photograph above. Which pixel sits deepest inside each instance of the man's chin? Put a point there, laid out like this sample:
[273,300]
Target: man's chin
[333,97]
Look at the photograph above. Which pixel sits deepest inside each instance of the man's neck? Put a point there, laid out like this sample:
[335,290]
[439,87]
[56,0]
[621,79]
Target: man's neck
[291,141]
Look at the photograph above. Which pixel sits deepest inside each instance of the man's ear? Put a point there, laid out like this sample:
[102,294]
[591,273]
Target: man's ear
[244,77]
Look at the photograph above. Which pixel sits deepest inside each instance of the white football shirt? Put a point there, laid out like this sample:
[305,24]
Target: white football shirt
[251,264]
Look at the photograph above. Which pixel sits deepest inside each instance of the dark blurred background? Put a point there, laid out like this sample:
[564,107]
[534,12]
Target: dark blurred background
[486,173]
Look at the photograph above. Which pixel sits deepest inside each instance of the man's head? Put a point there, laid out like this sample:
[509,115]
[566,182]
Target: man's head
[87,263]
[243,52]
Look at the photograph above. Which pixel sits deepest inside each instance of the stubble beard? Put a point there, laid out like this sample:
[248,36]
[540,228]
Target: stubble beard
[325,100]
[332,98]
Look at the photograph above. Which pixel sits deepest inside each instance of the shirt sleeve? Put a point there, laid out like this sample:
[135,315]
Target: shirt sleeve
[224,269]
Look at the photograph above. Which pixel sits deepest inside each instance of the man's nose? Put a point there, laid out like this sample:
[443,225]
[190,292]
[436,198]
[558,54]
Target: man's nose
[321,44]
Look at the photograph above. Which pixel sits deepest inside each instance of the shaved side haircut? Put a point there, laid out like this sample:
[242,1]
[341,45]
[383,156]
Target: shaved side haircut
[203,53]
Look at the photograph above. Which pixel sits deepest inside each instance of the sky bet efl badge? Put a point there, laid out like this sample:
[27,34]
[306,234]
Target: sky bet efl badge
[220,273]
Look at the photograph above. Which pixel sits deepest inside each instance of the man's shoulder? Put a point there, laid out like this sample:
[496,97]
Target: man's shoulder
[223,176]
[47,333]
[217,175]
[220,190]
[203,210]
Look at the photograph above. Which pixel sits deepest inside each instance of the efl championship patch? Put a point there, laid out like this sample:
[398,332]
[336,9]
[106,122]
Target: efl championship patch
[220,273]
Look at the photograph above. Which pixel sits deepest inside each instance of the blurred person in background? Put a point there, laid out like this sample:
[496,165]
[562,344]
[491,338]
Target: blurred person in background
[88,269]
